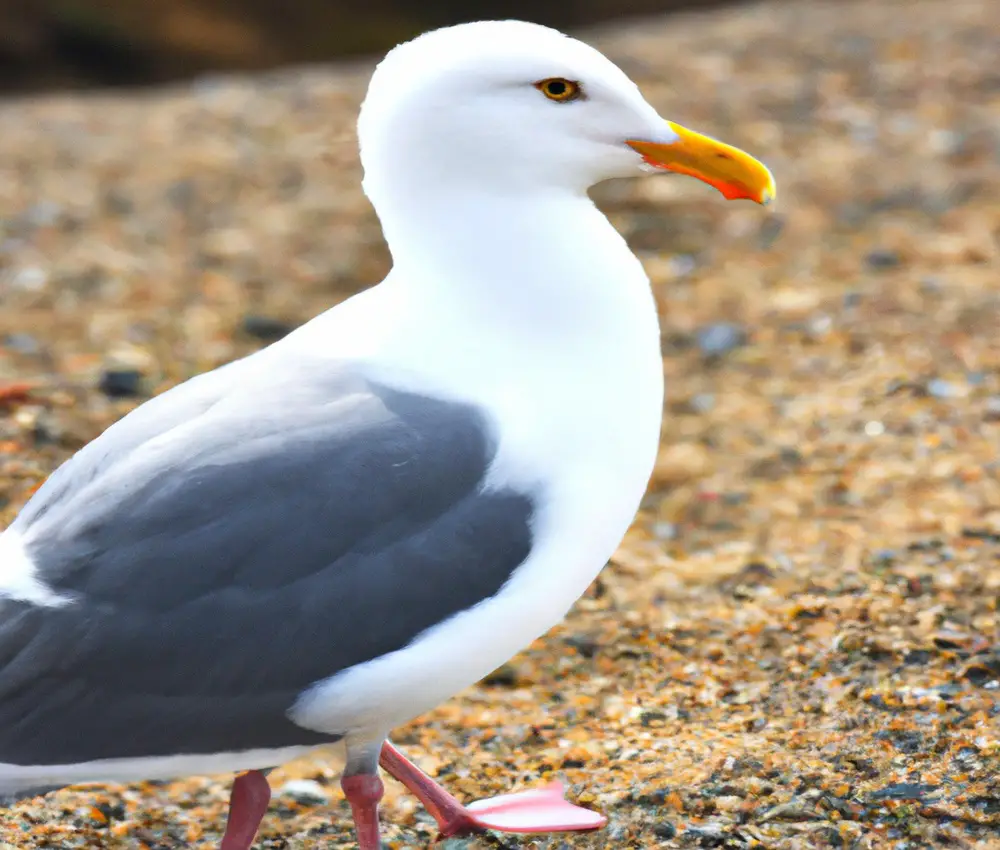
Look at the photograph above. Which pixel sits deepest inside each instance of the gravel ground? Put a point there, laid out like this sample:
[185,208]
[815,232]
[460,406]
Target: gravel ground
[796,645]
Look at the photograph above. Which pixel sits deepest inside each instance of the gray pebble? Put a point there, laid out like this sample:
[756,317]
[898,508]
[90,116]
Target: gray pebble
[308,792]
[719,339]
[665,530]
[882,258]
[30,279]
[121,383]
[22,343]
[940,388]
[266,328]
[702,402]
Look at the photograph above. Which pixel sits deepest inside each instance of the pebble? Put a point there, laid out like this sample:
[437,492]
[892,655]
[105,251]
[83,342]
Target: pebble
[265,328]
[664,530]
[770,229]
[308,792]
[940,388]
[42,214]
[702,402]
[121,383]
[992,409]
[183,195]
[30,279]
[22,343]
[681,462]
[852,300]
[720,339]
[117,203]
[793,810]
[664,829]
[681,265]
[904,791]
[882,259]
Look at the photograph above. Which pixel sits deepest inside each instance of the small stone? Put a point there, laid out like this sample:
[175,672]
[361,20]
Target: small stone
[29,279]
[794,300]
[664,830]
[882,258]
[182,195]
[585,645]
[22,343]
[227,243]
[904,791]
[681,265]
[720,339]
[702,402]
[307,792]
[939,388]
[851,213]
[459,844]
[770,229]
[992,410]
[266,328]
[983,669]
[681,462]
[706,835]
[793,810]
[505,676]
[664,530]
[852,300]
[818,327]
[43,214]
[121,383]
[116,202]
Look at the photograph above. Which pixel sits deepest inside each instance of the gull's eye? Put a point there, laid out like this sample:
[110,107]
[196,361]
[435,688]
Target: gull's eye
[559,89]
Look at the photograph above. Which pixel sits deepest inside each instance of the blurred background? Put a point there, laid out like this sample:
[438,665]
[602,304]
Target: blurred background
[796,644]
[81,43]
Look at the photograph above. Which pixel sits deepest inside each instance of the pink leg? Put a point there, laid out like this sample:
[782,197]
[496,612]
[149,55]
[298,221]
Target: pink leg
[451,816]
[363,792]
[539,810]
[247,804]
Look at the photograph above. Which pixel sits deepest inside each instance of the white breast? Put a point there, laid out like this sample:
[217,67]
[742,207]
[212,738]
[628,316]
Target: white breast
[578,403]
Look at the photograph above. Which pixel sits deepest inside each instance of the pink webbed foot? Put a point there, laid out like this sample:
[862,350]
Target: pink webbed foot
[543,809]
[247,804]
[539,810]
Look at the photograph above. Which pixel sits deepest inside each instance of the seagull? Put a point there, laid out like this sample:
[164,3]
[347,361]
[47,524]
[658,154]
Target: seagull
[319,542]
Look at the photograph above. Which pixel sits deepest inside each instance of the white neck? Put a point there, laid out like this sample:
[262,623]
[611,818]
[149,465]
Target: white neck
[532,287]
[549,262]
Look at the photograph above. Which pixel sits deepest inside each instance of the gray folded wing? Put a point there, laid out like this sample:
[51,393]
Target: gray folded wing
[234,541]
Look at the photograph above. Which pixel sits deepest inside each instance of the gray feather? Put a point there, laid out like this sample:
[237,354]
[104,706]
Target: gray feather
[234,541]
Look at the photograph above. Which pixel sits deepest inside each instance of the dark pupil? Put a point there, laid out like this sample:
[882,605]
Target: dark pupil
[557,88]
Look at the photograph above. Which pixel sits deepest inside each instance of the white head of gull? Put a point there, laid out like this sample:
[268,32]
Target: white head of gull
[395,498]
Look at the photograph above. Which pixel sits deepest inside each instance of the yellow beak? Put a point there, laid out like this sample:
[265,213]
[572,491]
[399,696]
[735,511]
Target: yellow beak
[734,173]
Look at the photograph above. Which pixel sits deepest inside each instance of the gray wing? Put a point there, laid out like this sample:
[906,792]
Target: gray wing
[234,541]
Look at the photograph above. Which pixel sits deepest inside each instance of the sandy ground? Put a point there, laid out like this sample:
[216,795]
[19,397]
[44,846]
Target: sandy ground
[796,645]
